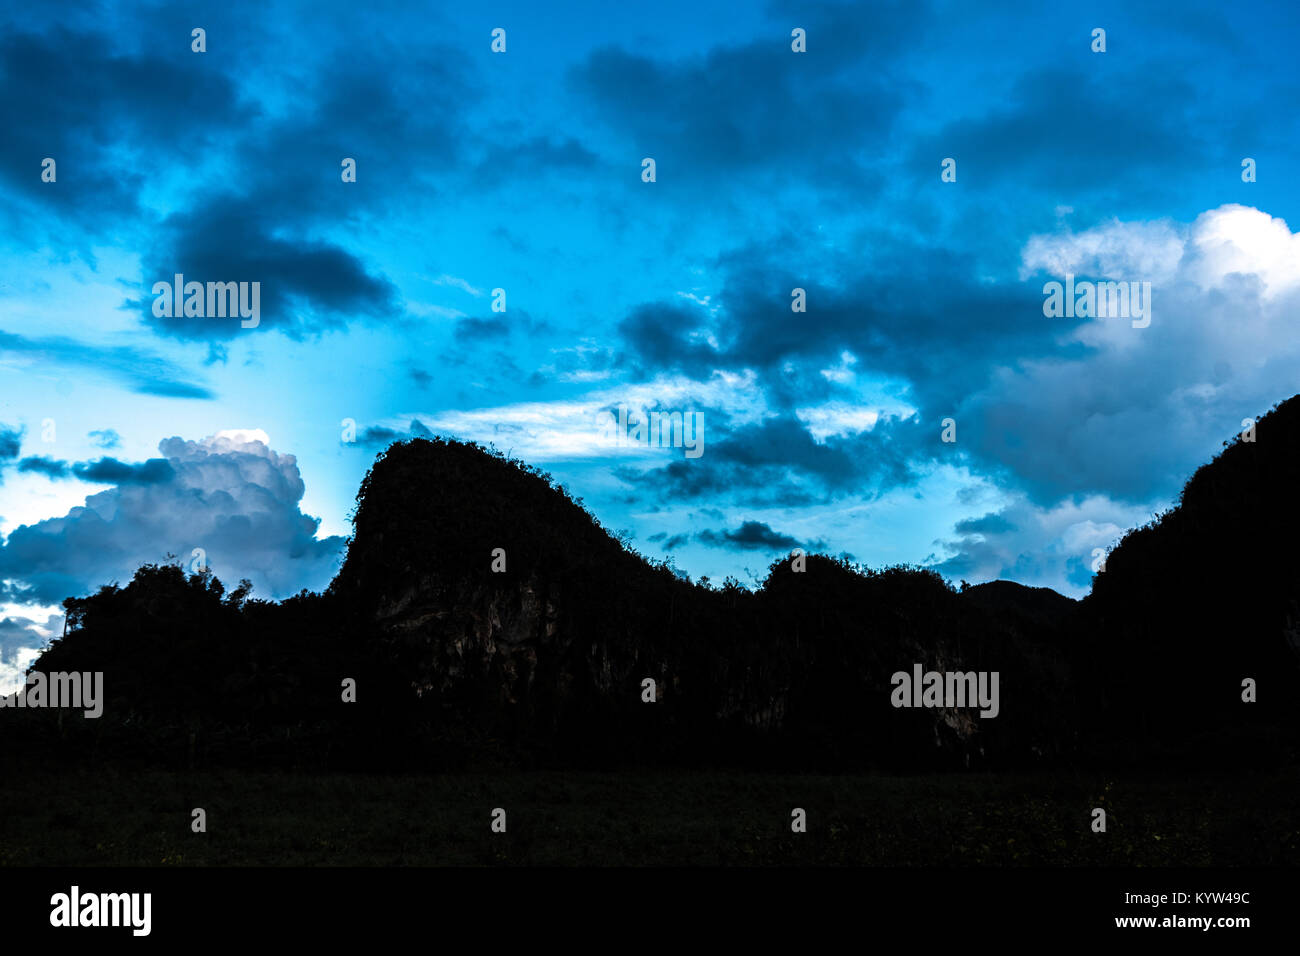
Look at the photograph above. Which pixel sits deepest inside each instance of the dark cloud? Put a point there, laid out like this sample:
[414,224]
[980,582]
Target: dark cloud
[754,536]
[1034,139]
[288,190]
[758,107]
[657,335]
[111,471]
[511,162]
[361,108]
[750,536]
[11,441]
[70,94]
[102,470]
[474,330]
[991,523]
[44,466]
[469,331]
[907,310]
[380,436]
[305,285]
[779,463]
[120,116]
[1051,406]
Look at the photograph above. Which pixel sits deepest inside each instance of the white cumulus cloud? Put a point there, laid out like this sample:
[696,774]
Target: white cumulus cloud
[229,495]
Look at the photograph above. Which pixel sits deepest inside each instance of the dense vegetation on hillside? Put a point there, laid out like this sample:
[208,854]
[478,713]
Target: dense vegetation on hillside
[1201,598]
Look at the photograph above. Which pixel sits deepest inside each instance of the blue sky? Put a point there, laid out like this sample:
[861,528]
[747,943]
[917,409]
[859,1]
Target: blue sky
[125,437]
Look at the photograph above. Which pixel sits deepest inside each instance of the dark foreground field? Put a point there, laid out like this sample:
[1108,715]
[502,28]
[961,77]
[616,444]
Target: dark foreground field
[103,817]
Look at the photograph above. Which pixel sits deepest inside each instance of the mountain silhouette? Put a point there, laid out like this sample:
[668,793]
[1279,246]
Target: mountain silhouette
[1202,598]
[483,616]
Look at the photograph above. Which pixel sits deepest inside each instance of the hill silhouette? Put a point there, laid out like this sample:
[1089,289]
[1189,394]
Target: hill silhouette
[1203,597]
[486,617]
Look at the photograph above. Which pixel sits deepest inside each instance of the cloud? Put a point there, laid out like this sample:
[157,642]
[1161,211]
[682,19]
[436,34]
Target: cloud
[509,163]
[112,112]
[909,311]
[1130,412]
[670,542]
[756,108]
[110,118]
[469,331]
[11,441]
[586,426]
[456,282]
[140,369]
[750,536]
[1032,136]
[989,524]
[102,470]
[305,285]
[112,471]
[20,633]
[1152,249]
[754,536]
[380,436]
[1051,546]
[229,495]
[105,438]
[21,639]
[44,465]
[1059,406]
[779,462]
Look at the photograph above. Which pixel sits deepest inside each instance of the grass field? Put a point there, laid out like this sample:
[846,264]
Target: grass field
[103,817]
